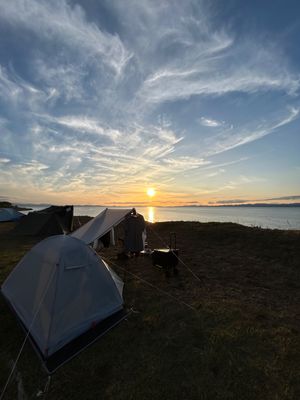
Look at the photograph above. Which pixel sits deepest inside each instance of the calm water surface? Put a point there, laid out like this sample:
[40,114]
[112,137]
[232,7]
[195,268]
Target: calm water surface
[265,217]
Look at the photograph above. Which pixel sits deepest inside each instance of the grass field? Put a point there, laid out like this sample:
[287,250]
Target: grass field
[227,327]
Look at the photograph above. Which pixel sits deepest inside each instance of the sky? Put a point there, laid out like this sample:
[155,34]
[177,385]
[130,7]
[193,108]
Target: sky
[100,100]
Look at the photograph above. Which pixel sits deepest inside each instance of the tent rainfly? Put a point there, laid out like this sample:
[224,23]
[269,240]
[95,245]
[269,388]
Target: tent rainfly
[10,214]
[63,213]
[65,295]
[100,225]
[53,220]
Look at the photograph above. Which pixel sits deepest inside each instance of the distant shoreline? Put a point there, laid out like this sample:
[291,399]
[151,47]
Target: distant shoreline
[7,204]
[248,205]
[25,206]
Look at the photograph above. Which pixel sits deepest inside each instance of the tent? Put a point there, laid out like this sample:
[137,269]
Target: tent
[65,295]
[63,213]
[53,220]
[10,214]
[101,224]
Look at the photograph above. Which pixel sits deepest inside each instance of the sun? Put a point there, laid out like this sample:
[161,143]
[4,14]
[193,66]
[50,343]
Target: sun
[151,192]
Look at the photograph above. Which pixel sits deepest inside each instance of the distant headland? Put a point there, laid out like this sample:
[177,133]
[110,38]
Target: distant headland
[246,205]
[7,204]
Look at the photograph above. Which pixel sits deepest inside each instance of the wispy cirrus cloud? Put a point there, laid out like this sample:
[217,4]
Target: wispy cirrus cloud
[85,124]
[15,90]
[216,173]
[171,89]
[101,99]
[4,160]
[238,136]
[210,68]
[77,156]
[66,25]
[211,123]
[184,163]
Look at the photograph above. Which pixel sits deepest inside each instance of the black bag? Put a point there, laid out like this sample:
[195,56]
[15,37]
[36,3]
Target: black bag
[167,258]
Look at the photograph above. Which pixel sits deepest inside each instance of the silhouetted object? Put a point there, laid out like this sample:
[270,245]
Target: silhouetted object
[53,220]
[167,259]
[105,239]
[134,228]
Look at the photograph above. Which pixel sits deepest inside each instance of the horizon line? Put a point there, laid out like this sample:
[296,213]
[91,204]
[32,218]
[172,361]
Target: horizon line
[253,204]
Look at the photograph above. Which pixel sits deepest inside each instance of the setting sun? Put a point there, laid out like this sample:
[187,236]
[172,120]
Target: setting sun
[151,192]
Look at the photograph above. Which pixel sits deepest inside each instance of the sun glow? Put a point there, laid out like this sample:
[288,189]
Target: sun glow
[151,192]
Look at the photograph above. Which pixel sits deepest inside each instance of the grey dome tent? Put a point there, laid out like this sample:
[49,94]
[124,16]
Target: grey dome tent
[10,214]
[65,295]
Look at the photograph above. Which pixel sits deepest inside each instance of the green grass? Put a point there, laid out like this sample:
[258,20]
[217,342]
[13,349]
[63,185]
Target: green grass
[241,341]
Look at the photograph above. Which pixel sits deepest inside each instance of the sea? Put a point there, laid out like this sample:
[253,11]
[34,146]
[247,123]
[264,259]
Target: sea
[264,217]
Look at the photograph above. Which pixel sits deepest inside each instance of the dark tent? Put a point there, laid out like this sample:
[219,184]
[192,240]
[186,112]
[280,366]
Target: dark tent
[53,220]
[64,214]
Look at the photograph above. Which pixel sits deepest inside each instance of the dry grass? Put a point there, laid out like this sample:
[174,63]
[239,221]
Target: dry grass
[241,341]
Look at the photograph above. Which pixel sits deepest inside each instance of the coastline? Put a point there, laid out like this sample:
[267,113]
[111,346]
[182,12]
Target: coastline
[267,217]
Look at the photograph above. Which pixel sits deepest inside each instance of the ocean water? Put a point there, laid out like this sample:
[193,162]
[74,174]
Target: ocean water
[265,217]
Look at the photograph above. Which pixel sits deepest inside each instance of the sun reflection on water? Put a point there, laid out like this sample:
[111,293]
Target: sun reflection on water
[151,215]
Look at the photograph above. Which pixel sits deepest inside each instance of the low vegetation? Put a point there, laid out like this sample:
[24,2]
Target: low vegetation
[226,327]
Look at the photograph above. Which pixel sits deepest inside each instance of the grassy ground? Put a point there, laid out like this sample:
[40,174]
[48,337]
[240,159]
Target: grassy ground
[240,340]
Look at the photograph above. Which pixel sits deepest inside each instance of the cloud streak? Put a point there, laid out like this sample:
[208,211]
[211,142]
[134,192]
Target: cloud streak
[86,110]
[209,122]
[296,197]
[232,138]
[57,21]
